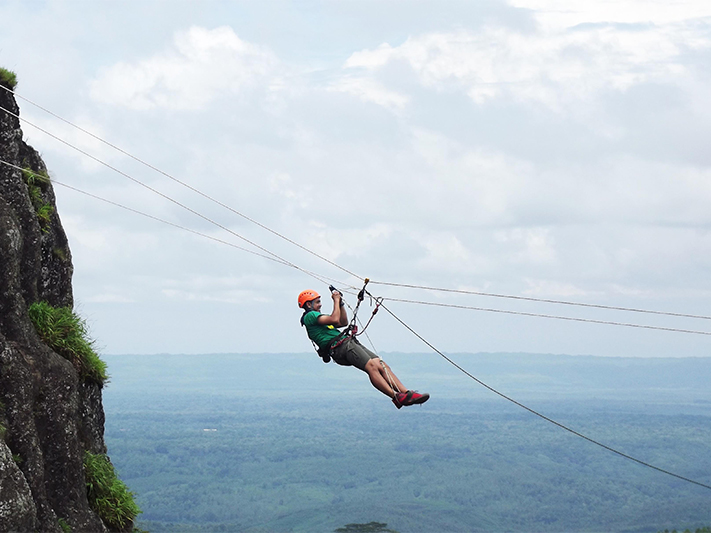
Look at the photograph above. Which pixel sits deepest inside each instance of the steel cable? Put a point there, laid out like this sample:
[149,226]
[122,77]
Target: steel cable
[333,263]
[536,413]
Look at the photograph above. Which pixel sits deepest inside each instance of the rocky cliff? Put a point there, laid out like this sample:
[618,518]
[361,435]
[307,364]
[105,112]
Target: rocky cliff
[51,413]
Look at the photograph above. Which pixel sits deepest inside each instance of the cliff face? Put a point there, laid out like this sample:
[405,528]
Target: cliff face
[49,414]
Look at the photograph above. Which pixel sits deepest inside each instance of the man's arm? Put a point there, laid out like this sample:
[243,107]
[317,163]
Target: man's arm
[338,316]
[344,313]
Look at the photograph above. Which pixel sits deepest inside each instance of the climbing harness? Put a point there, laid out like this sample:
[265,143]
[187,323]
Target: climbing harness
[351,331]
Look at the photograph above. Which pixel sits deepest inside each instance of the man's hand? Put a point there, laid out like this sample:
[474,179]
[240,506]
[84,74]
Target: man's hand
[338,317]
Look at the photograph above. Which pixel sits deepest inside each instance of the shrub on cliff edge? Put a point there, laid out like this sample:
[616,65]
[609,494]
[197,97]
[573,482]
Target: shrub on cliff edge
[8,78]
[62,330]
[108,495]
[36,183]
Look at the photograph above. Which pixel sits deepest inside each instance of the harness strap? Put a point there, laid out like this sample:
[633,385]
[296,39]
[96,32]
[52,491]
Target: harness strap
[378,302]
[361,297]
[351,331]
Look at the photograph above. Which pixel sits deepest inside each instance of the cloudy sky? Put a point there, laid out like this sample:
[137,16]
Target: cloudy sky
[540,148]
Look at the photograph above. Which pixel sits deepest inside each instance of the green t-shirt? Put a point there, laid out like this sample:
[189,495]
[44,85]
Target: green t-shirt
[322,335]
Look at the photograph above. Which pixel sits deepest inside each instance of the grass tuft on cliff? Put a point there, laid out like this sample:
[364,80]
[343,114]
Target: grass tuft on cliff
[36,184]
[8,78]
[108,495]
[66,333]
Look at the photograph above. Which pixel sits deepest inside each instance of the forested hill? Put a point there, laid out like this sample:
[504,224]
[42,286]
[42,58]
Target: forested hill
[282,442]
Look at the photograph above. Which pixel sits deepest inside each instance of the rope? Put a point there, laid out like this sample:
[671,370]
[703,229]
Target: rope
[318,277]
[279,259]
[291,241]
[288,263]
[156,191]
[390,378]
[378,301]
[556,317]
[180,182]
[544,300]
[538,414]
[375,351]
[326,280]
[352,329]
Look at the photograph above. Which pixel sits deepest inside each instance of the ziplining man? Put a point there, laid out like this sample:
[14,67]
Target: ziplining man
[347,351]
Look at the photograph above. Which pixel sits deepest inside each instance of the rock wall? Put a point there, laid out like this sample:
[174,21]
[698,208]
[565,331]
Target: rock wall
[48,415]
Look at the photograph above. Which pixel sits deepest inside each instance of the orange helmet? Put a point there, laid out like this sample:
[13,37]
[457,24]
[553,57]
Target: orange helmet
[307,296]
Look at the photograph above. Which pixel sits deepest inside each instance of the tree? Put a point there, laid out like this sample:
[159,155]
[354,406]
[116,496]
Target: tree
[370,527]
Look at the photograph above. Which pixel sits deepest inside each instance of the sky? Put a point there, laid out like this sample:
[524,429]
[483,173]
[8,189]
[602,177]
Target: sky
[538,148]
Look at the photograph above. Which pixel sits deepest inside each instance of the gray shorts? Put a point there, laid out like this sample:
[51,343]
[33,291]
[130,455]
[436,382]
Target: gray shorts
[353,353]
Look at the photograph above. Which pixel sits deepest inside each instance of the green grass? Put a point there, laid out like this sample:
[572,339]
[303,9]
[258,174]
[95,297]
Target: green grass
[36,183]
[60,253]
[66,333]
[44,214]
[8,78]
[107,494]
[66,528]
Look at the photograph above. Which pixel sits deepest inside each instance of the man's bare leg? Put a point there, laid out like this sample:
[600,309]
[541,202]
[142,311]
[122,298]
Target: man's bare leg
[385,368]
[379,379]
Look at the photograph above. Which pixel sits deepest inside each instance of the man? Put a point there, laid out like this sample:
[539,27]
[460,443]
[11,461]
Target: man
[347,351]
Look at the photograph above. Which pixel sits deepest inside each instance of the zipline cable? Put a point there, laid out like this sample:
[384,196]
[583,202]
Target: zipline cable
[156,191]
[431,346]
[548,419]
[318,277]
[327,280]
[280,260]
[536,413]
[263,226]
[385,283]
[556,317]
[178,226]
[532,299]
[184,184]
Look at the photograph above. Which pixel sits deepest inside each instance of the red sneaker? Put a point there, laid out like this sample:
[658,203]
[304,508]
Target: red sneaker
[409,398]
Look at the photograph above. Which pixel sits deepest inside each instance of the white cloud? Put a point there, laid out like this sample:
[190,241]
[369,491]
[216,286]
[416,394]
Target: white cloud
[370,90]
[567,13]
[72,137]
[455,183]
[530,245]
[555,68]
[283,185]
[444,252]
[200,65]
[332,242]
[550,289]
[108,297]
[202,288]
